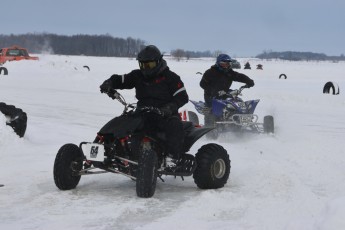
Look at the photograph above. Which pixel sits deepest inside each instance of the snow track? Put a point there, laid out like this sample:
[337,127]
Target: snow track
[290,180]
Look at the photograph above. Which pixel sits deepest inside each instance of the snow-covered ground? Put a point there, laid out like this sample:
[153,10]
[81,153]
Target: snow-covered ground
[293,179]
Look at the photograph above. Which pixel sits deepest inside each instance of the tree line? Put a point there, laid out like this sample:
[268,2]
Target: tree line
[108,46]
[89,45]
[299,56]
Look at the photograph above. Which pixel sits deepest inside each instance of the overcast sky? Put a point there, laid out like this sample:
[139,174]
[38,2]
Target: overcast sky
[239,28]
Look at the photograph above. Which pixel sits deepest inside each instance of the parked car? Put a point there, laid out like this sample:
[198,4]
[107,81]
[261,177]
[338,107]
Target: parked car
[235,64]
[14,53]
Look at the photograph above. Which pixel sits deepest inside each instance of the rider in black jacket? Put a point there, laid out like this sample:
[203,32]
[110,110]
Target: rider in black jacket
[217,80]
[156,86]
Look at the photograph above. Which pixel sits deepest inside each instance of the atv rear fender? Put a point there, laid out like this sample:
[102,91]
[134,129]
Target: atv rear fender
[192,134]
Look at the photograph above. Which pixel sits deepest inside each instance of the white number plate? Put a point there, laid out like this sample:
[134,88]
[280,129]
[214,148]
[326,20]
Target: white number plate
[93,152]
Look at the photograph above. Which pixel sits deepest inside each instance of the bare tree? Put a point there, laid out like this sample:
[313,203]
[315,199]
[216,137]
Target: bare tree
[217,52]
[178,54]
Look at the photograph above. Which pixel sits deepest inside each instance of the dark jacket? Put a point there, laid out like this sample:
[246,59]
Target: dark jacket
[166,89]
[215,80]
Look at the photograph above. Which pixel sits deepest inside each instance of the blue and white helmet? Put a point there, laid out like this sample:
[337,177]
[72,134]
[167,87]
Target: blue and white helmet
[223,58]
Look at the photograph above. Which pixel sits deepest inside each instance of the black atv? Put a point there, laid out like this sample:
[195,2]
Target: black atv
[123,147]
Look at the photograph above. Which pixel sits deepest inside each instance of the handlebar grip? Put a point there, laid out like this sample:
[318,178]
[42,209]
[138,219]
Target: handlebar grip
[112,93]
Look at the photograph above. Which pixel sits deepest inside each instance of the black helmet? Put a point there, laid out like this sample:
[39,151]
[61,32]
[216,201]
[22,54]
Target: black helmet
[150,60]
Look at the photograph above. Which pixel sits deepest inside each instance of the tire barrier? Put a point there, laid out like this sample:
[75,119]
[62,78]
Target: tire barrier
[4,69]
[282,75]
[17,118]
[88,68]
[331,86]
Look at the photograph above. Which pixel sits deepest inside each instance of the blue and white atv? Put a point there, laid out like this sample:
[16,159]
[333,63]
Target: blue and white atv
[230,113]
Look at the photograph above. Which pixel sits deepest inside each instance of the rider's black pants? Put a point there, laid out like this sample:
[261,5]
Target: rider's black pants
[172,128]
[208,100]
[209,118]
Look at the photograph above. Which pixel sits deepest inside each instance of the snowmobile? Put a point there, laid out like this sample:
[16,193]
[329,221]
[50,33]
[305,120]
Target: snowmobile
[230,113]
[123,147]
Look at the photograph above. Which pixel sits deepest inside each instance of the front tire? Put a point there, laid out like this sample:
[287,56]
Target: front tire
[213,167]
[68,162]
[146,173]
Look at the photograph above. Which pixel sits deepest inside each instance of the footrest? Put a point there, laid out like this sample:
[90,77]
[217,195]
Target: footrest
[185,166]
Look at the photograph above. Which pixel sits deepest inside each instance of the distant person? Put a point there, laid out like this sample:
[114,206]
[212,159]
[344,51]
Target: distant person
[217,80]
[156,86]
[247,66]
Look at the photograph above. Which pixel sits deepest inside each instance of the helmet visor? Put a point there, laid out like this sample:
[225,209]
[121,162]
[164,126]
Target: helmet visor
[225,64]
[147,64]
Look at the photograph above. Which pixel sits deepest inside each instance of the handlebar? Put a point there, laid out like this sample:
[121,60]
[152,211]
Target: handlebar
[113,94]
[237,92]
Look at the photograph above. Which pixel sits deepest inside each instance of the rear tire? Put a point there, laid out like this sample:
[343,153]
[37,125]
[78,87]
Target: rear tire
[268,124]
[193,117]
[213,167]
[68,163]
[146,173]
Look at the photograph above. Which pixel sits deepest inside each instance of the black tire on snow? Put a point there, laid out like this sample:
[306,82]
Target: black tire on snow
[146,173]
[268,124]
[4,69]
[282,75]
[193,117]
[213,167]
[331,86]
[18,118]
[68,162]
[88,68]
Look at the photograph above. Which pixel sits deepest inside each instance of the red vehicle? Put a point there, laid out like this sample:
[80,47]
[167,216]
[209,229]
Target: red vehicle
[14,53]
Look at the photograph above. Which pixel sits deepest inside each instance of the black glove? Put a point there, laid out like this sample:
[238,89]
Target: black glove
[106,86]
[251,84]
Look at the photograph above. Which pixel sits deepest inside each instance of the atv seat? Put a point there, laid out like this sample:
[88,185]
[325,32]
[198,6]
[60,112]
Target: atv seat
[191,134]
[187,128]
